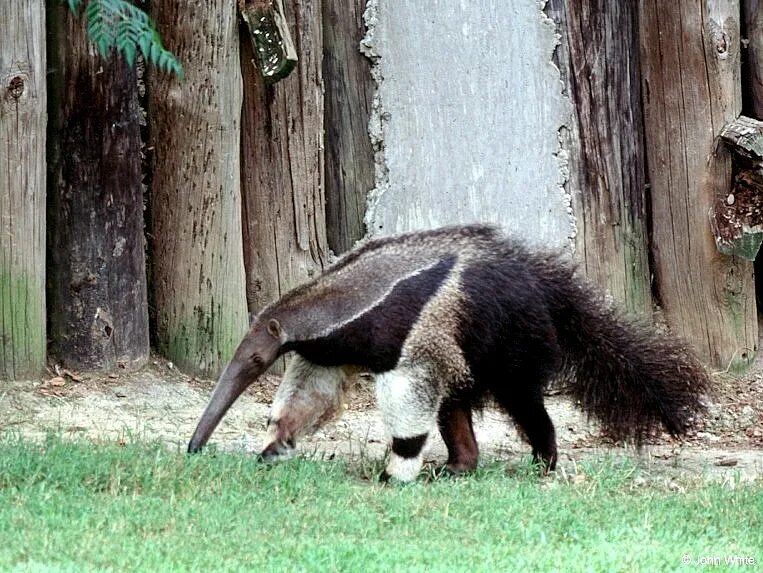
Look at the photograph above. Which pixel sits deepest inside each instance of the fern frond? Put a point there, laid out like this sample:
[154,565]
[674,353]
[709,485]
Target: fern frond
[120,25]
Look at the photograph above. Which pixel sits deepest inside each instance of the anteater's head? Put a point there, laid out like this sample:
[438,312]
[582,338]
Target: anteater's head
[257,351]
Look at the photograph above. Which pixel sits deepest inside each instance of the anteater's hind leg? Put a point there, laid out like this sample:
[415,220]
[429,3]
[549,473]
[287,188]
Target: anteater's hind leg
[525,406]
[408,401]
[532,418]
[455,422]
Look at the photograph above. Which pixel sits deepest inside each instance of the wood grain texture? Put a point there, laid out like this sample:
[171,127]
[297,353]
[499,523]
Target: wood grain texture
[282,166]
[691,72]
[97,266]
[752,14]
[22,188]
[198,270]
[349,91]
[599,59]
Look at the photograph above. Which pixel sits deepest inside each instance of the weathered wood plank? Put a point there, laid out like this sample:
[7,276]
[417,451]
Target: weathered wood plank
[97,266]
[349,91]
[599,60]
[282,167]
[23,107]
[692,88]
[198,270]
[752,12]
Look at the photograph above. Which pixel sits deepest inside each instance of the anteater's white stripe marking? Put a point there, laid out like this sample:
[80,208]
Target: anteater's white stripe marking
[376,302]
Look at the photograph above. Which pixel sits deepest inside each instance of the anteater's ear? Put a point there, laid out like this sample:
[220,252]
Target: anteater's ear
[274,328]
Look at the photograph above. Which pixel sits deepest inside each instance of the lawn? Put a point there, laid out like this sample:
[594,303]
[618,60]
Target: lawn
[78,506]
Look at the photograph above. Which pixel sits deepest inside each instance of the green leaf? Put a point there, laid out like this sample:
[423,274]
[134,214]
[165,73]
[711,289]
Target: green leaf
[129,52]
[121,25]
[144,41]
[73,5]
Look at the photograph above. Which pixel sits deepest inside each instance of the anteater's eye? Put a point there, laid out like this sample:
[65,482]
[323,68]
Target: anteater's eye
[256,360]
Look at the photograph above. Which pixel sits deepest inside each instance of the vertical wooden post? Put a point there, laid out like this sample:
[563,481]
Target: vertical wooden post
[349,93]
[753,22]
[282,166]
[23,107]
[97,267]
[691,89]
[599,59]
[198,267]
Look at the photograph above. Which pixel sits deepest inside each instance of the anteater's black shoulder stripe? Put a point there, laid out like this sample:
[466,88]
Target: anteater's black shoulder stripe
[375,339]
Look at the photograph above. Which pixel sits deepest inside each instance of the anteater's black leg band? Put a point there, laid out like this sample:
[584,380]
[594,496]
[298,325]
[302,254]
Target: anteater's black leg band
[408,447]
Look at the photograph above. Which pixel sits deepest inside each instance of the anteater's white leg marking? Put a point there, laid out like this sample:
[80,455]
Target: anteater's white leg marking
[408,402]
[405,469]
[303,377]
[308,396]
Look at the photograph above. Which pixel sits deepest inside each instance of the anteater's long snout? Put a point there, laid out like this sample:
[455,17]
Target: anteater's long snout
[229,387]
[242,371]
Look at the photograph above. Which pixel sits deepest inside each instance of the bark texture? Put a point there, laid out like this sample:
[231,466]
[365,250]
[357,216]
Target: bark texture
[599,59]
[349,94]
[739,216]
[97,268]
[23,108]
[198,271]
[752,11]
[282,167]
[692,88]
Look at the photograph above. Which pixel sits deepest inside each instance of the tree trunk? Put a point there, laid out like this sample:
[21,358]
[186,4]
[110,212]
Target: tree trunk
[753,24]
[691,64]
[282,170]
[349,93]
[99,312]
[23,107]
[599,59]
[752,21]
[198,271]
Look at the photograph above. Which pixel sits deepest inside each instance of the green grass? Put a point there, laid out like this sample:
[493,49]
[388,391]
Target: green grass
[77,506]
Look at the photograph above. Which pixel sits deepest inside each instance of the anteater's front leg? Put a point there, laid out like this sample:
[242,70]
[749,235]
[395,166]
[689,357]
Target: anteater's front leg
[309,396]
[455,422]
[408,400]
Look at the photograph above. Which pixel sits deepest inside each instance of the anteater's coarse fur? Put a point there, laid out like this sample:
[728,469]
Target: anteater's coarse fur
[448,319]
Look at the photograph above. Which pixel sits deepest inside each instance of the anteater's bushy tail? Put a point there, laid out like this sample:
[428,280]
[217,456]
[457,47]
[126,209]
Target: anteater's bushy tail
[623,373]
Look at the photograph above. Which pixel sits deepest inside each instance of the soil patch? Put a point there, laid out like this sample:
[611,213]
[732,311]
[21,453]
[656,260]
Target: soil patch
[159,403]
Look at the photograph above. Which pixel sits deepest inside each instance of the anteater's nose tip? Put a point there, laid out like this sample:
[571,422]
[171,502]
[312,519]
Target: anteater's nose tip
[270,453]
[276,451]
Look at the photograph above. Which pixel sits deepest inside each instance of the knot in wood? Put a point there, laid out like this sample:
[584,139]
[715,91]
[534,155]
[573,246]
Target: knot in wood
[16,87]
[722,44]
